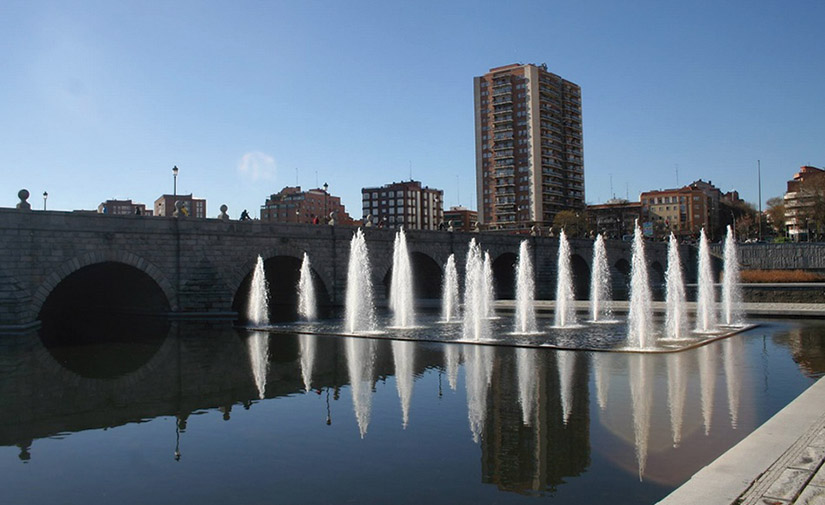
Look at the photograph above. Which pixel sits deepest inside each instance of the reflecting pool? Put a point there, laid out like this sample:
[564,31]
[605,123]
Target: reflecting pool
[141,411]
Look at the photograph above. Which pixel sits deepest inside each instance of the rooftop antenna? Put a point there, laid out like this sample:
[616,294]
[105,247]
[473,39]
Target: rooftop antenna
[458,189]
[411,171]
[296,177]
[677,175]
[627,191]
[316,179]
[612,194]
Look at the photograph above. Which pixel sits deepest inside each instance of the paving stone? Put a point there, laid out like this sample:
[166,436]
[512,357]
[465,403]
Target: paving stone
[811,495]
[809,459]
[819,439]
[773,501]
[788,484]
[819,478]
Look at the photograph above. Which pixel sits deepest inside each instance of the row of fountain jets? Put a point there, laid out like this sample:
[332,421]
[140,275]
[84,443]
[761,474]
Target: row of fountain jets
[478,306]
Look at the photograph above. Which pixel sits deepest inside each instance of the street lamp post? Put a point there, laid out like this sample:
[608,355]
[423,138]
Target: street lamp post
[326,201]
[45,196]
[175,180]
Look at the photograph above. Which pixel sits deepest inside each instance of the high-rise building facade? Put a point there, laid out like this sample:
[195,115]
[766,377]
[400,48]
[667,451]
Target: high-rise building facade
[406,204]
[529,158]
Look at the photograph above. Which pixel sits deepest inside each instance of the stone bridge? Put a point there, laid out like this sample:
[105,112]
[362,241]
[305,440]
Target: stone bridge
[202,267]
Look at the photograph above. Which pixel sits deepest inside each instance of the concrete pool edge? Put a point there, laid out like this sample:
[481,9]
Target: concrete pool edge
[737,474]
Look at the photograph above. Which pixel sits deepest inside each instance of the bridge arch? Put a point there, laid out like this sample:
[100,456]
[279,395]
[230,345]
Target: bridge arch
[111,259]
[426,273]
[504,276]
[282,274]
[581,277]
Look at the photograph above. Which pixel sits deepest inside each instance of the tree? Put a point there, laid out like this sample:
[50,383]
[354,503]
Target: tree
[776,214]
[572,222]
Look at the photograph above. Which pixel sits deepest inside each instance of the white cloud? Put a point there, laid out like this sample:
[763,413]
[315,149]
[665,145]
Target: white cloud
[257,166]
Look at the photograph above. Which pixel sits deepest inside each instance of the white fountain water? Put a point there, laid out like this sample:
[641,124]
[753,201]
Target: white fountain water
[258,310]
[488,292]
[706,296]
[403,352]
[307,305]
[360,312]
[676,315]
[258,345]
[640,332]
[401,284]
[476,305]
[525,292]
[361,365]
[731,290]
[449,292]
[600,292]
[527,383]
[308,344]
[565,309]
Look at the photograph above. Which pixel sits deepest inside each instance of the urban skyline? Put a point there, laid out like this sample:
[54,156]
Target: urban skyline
[94,110]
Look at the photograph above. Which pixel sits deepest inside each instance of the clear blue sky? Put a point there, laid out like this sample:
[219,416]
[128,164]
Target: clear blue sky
[99,100]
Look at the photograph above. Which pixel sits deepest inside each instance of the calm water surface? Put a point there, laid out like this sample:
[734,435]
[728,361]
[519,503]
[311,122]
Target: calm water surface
[205,413]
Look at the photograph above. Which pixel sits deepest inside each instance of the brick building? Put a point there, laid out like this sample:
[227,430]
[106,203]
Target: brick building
[123,207]
[406,204]
[461,218]
[314,206]
[165,205]
[529,158]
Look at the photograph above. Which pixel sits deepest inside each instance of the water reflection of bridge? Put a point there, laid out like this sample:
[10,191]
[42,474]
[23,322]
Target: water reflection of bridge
[534,413]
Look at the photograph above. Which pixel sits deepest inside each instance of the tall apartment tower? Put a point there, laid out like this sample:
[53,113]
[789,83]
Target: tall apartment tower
[529,162]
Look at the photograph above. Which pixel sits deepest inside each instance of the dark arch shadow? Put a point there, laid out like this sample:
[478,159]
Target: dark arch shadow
[104,320]
[657,280]
[504,276]
[581,277]
[282,276]
[621,286]
[426,275]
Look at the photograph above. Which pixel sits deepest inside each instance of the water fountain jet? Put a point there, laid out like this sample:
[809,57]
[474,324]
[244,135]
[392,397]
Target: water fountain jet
[258,310]
[525,292]
[565,315]
[360,312]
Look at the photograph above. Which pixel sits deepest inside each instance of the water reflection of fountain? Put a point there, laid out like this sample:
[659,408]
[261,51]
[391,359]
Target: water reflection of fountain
[527,386]
[641,394]
[307,305]
[258,310]
[309,344]
[601,366]
[733,366]
[360,312]
[361,365]
[401,284]
[452,358]
[676,393]
[449,292]
[707,383]
[525,292]
[258,346]
[478,370]
[566,361]
[404,356]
